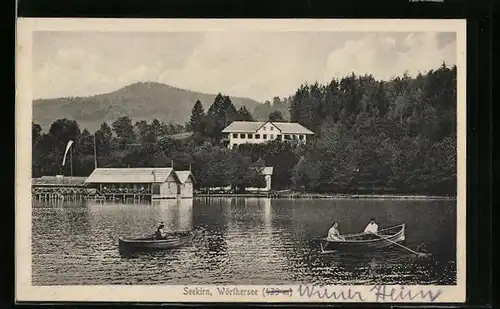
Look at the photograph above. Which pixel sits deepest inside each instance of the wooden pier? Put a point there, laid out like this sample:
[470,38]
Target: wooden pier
[75,193]
[74,189]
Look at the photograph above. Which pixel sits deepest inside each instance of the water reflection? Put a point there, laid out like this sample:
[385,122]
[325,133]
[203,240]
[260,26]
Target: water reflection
[177,214]
[210,221]
[238,241]
[185,214]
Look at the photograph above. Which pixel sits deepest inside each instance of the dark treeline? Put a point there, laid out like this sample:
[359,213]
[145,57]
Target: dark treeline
[380,136]
[396,136]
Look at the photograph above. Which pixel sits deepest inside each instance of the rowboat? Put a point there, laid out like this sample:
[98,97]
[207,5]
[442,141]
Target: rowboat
[171,241]
[386,237]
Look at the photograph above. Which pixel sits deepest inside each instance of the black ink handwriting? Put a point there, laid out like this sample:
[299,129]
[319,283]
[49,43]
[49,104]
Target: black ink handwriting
[323,292]
[383,293]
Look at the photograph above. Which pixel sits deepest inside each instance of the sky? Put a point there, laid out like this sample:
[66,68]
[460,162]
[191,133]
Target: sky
[258,64]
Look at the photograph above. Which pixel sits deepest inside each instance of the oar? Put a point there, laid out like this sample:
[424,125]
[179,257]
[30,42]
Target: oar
[420,254]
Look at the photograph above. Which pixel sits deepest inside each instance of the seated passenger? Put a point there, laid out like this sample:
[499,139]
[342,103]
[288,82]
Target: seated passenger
[372,227]
[334,234]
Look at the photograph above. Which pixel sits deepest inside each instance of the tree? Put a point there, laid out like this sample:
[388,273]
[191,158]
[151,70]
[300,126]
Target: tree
[243,114]
[197,117]
[220,114]
[156,127]
[36,133]
[64,130]
[124,130]
[104,139]
[275,116]
[307,174]
[85,143]
[147,133]
[243,173]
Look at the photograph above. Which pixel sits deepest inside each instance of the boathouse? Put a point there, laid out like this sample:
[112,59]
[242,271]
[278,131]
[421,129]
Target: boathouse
[186,183]
[158,183]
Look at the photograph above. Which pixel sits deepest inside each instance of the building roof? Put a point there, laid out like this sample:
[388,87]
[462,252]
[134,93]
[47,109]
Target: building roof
[130,175]
[243,126]
[59,180]
[184,175]
[292,128]
[253,126]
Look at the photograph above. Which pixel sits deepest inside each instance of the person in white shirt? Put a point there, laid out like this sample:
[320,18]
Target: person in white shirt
[372,227]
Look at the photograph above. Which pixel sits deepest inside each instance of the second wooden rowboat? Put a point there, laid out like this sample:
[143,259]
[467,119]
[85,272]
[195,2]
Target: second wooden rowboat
[360,241]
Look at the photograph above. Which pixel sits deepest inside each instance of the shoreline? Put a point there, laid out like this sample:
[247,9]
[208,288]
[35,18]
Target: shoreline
[325,196]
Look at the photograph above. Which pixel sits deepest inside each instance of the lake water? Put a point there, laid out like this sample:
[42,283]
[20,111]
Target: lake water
[239,241]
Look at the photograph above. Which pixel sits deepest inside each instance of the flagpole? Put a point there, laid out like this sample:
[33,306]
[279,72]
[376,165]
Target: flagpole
[95,154]
[71,158]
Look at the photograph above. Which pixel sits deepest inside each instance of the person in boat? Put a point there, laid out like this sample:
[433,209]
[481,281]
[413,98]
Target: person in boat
[372,228]
[160,232]
[334,233]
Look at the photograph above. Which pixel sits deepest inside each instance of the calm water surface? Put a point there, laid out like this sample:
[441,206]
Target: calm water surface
[238,241]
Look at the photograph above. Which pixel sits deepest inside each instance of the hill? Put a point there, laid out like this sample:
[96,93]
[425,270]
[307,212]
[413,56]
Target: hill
[139,101]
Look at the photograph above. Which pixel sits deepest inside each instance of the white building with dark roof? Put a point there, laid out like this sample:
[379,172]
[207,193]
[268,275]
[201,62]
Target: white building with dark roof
[159,183]
[257,132]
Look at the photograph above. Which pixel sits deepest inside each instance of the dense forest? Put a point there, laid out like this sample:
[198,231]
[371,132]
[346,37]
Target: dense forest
[371,136]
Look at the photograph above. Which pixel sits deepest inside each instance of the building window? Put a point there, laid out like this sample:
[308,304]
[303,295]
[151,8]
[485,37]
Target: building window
[235,145]
[242,135]
[301,137]
[278,137]
[257,136]
[294,137]
[264,136]
[235,135]
[250,135]
[287,137]
[271,128]
[271,136]
[264,128]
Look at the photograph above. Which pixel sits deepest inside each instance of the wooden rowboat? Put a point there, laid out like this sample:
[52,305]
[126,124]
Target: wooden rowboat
[386,237]
[171,241]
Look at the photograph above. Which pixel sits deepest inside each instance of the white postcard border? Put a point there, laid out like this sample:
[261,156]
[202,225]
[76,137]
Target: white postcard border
[25,291]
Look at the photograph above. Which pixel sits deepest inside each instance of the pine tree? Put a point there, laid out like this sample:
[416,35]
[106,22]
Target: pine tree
[244,114]
[197,116]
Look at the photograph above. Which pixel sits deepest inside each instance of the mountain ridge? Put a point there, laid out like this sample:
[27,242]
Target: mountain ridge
[140,101]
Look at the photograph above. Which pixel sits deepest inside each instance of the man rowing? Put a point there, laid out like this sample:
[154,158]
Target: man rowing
[372,228]
[334,234]
[160,232]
